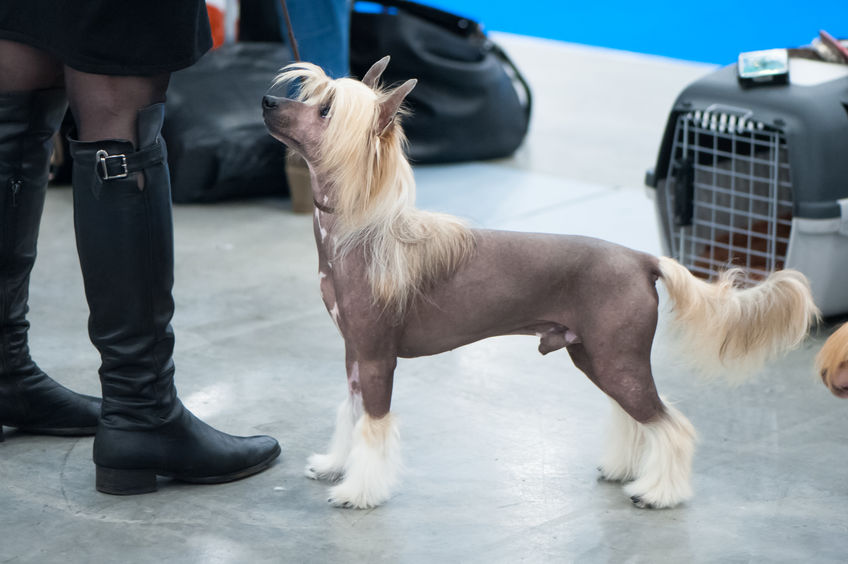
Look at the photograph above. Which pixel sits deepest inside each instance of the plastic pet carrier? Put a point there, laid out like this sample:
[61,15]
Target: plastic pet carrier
[757,177]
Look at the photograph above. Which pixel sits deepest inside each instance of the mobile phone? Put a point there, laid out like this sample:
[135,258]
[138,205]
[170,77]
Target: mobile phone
[763,67]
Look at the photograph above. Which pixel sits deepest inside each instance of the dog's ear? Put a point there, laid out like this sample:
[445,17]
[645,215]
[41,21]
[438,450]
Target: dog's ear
[375,72]
[390,106]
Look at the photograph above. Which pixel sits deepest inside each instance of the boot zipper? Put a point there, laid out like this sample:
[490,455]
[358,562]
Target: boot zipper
[15,186]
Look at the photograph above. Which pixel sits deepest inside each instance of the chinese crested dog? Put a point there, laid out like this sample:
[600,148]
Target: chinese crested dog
[403,282]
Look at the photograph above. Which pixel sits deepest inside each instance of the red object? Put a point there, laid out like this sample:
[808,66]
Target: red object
[834,44]
[216,23]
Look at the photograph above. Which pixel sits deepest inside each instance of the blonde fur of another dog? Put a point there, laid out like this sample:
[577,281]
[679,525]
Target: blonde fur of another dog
[402,282]
[832,362]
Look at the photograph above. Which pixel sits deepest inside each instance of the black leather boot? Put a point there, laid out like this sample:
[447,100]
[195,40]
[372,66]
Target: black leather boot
[29,399]
[125,242]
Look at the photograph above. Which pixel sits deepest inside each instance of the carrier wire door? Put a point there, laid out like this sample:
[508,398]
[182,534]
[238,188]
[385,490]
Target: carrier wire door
[728,194]
[756,177]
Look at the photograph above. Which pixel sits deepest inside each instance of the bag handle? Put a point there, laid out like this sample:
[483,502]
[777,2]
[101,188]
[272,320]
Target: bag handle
[292,40]
[460,25]
[464,27]
[501,54]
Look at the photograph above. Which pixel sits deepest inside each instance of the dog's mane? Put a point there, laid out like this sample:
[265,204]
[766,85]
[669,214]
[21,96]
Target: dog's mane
[373,189]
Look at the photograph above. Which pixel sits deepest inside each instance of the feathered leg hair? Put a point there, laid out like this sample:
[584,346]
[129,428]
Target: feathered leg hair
[330,466]
[655,457]
[373,467]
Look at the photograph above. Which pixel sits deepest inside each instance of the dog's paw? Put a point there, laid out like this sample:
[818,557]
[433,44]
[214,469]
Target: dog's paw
[346,496]
[658,496]
[620,475]
[343,504]
[339,499]
[314,474]
[321,467]
[641,503]
[604,476]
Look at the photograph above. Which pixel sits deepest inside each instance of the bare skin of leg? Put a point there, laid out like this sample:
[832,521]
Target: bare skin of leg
[633,390]
[375,379]
[24,68]
[105,107]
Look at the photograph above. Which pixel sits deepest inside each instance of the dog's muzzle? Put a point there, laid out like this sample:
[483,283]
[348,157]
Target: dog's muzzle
[270,102]
[271,106]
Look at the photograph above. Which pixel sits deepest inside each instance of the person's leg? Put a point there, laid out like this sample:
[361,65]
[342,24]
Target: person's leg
[124,233]
[322,32]
[32,105]
[105,107]
[24,68]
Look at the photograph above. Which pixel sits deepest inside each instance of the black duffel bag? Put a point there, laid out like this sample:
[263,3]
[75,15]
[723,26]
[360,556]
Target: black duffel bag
[218,147]
[471,102]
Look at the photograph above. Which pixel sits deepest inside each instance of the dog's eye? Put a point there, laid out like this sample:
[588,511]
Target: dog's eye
[325,110]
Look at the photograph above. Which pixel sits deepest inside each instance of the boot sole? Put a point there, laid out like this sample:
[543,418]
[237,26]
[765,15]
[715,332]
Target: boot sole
[115,481]
[59,431]
[52,432]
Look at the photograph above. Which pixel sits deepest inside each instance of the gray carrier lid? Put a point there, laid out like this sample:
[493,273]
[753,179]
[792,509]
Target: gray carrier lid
[811,112]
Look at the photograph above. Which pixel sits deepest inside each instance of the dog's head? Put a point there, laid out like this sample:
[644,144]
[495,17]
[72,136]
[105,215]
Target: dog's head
[334,123]
[349,134]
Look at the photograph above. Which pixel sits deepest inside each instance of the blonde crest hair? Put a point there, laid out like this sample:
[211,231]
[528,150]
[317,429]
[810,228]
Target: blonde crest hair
[372,191]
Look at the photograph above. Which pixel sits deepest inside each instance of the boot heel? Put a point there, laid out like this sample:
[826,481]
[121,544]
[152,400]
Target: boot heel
[125,482]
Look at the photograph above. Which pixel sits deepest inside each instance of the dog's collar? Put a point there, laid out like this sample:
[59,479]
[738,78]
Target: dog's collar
[322,207]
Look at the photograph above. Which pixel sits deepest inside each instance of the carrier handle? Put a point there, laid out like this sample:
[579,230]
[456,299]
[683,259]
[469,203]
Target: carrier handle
[742,113]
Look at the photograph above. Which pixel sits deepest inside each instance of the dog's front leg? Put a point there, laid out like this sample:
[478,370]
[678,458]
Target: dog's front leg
[330,466]
[373,464]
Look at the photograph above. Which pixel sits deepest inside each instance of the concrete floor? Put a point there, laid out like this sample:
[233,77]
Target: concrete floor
[500,443]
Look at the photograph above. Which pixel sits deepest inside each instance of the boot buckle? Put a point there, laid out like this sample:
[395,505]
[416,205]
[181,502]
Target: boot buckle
[109,167]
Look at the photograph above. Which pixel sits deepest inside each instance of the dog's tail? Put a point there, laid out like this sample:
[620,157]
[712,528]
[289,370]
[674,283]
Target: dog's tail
[832,362]
[734,331]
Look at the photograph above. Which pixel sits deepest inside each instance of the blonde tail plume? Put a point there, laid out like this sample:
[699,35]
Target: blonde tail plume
[732,330]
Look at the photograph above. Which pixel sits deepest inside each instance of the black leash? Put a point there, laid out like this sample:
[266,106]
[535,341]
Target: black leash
[292,40]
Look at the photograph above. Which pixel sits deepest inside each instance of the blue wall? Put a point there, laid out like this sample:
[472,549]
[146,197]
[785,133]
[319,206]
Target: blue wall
[713,32]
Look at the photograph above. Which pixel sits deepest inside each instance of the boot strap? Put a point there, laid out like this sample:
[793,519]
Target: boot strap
[120,165]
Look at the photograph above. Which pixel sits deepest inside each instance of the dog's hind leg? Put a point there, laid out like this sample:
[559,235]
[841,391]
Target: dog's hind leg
[621,457]
[648,442]
[373,464]
[663,478]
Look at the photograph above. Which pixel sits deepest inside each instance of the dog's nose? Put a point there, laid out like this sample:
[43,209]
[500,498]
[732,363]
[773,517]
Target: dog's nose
[270,102]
